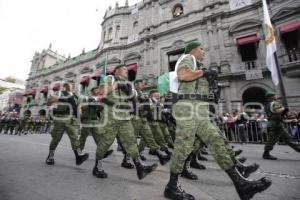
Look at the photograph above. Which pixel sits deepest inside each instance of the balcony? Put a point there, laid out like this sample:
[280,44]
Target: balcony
[290,62]
[250,65]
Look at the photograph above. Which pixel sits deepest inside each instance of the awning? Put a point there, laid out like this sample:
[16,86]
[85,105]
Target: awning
[289,27]
[96,74]
[85,80]
[56,87]
[44,90]
[26,93]
[132,67]
[247,40]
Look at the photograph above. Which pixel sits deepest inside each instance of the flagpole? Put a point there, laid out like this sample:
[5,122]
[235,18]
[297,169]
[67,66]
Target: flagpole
[281,85]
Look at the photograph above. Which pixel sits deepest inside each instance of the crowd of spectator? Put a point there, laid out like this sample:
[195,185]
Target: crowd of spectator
[251,125]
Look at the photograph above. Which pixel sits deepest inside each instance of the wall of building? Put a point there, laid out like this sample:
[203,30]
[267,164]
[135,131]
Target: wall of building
[157,33]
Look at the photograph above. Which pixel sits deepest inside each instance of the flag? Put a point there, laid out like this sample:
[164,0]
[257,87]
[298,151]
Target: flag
[163,84]
[103,71]
[270,44]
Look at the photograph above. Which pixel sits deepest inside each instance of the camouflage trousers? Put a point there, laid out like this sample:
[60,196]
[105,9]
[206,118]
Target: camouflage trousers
[95,132]
[125,132]
[276,131]
[166,133]
[142,129]
[192,118]
[70,126]
[158,135]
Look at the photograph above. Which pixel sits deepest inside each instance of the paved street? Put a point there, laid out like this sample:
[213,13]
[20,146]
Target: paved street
[24,174]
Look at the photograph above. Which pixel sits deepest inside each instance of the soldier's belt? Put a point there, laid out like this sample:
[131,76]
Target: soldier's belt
[198,97]
[119,106]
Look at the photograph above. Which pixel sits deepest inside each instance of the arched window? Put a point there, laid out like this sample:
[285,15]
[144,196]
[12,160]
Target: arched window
[135,24]
[177,10]
[110,33]
[118,28]
[104,34]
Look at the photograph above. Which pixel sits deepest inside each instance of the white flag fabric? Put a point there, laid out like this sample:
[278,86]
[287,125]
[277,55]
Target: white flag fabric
[174,84]
[270,44]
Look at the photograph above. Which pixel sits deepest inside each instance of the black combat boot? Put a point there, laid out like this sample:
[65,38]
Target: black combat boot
[237,152]
[80,157]
[186,172]
[294,146]
[169,153]
[152,152]
[245,170]
[201,157]
[126,162]
[50,158]
[108,153]
[142,157]
[242,159]
[98,170]
[268,156]
[204,152]
[143,170]
[163,158]
[245,188]
[195,164]
[173,190]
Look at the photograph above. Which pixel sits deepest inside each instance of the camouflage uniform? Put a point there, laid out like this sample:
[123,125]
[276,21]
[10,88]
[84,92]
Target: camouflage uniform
[276,129]
[192,120]
[118,124]
[155,125]
[89,117]
[62,123]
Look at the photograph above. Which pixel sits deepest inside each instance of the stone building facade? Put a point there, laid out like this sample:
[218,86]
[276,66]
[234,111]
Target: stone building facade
[150,36]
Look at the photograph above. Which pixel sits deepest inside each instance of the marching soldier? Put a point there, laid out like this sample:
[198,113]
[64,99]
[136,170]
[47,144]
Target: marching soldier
[65,120]
[153,119]
[141,125]
[192,119]
[275,113]
[119,100]
[90,119]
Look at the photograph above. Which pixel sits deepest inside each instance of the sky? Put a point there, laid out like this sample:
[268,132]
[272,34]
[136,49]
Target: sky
[27,26]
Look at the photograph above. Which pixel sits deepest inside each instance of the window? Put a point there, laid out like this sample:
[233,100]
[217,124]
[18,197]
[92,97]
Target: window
[110,33]
[248,54]
[291,43]
[104,34]
[247,48]
[117,32]
[177,10]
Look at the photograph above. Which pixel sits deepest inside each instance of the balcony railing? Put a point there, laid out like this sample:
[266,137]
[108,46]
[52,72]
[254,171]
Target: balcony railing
[292,55]
[249,65]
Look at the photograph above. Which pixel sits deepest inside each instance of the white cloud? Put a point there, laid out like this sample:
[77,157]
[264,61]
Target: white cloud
[31,25]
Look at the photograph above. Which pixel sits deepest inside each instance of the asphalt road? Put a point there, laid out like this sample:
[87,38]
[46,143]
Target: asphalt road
[25,176]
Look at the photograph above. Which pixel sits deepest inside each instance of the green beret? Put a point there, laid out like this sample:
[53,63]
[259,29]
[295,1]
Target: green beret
[152,91]
[118,67]
[269,94]
[191,46]
[137,81]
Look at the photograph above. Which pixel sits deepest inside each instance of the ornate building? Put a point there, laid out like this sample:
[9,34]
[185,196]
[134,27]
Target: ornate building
[150,36]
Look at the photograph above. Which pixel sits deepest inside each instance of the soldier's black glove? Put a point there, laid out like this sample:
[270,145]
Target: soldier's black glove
[285,112]
[209,73]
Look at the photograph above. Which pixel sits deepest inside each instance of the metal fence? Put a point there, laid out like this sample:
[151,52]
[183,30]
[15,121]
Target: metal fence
[256,132]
